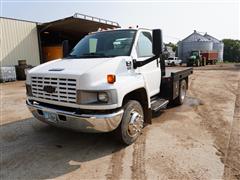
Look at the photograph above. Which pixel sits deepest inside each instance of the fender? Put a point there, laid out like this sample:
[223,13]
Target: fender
[135,82]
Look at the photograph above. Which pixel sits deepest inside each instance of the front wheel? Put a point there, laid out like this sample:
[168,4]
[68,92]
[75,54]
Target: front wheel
[132,122]
[182,92]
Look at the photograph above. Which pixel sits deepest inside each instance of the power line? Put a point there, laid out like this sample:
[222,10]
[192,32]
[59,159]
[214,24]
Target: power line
[172,37]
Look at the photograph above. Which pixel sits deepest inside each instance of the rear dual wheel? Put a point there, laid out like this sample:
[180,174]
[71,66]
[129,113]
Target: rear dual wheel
[182,92]
[198,63]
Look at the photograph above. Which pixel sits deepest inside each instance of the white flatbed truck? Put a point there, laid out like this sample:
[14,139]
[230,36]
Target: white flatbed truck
[111,81]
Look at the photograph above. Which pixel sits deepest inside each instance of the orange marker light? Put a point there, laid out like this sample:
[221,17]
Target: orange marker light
[111,78]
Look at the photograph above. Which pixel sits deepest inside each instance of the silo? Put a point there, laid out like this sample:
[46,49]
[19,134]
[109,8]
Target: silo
[179,49]
[217,46]
[195,41]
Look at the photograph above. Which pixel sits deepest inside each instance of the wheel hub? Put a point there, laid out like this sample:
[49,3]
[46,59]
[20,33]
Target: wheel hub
[183,92]
[136,123]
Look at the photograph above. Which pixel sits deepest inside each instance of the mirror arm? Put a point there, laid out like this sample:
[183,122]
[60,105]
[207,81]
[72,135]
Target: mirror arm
[163,68]
[137,64]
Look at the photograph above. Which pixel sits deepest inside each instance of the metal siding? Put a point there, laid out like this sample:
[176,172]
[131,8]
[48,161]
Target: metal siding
[217,46]
[180,49]
[19,40]
[187,47]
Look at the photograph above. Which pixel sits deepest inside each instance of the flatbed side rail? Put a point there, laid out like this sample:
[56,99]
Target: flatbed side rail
[170,85]
[176,76]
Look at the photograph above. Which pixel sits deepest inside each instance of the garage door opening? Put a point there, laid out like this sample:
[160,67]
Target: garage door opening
[57,38]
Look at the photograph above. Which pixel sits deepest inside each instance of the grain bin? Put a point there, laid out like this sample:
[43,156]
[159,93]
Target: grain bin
[217,46]
[195,41]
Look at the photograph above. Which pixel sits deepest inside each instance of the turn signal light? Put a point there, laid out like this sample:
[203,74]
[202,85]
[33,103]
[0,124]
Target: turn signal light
[111,78]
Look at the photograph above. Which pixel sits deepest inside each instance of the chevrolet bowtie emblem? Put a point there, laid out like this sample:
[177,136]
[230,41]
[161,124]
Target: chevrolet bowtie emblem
[49,89]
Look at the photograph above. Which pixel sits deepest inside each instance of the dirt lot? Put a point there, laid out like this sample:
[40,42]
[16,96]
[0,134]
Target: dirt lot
[199,140]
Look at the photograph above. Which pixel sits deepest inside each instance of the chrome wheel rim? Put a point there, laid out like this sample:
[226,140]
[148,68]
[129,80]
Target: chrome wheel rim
[183,91]
[135,124]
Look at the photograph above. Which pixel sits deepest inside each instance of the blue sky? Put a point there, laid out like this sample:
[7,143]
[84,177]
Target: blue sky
[177,19]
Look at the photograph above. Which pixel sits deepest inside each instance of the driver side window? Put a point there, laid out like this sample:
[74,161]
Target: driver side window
[144,45]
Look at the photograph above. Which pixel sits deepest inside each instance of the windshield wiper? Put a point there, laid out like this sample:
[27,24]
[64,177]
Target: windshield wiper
[71,56]
[88,55]
[94,55]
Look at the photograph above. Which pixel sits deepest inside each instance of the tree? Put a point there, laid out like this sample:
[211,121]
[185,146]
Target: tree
[174,46]
[231,50]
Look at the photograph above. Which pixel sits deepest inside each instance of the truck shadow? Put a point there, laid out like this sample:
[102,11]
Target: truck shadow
[33,150]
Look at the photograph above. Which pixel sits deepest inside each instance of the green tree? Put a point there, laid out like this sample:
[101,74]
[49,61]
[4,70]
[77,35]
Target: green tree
[231,50]
[174,46]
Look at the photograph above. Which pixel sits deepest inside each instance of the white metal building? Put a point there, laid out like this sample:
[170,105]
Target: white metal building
[19,40]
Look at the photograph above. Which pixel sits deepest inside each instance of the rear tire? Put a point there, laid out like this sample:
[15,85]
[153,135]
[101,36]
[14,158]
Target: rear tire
[204,63]
[132,123]
[197,63]
[182,93]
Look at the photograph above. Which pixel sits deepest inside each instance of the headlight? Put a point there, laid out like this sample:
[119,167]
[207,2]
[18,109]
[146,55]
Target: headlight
[103,97]
[96,97]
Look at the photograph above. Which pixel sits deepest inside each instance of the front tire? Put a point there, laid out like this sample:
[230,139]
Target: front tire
[132,122]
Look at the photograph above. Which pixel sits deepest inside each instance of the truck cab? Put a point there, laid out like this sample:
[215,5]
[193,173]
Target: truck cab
[111,81]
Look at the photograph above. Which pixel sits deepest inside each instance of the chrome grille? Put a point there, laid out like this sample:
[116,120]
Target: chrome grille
[65,89]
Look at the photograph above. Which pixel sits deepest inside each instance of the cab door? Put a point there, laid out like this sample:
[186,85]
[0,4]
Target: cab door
[151,71]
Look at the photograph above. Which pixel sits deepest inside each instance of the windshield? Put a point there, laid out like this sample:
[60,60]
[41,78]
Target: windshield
[170,58]
[104,44]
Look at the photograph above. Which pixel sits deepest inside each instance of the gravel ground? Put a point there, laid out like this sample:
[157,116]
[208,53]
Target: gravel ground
[198,140]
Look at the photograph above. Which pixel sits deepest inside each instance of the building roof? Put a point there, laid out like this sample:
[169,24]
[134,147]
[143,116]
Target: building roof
[78,23]
[14,19]
[211,38]
[71,24]
[195,37]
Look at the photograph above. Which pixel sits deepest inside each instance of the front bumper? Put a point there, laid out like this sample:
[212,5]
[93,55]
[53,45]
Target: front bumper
[80,122]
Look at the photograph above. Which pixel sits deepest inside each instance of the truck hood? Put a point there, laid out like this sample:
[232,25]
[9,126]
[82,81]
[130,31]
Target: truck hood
[90,73]
[68,66]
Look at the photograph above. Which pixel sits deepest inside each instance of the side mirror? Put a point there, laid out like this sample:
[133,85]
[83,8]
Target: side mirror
[157,44]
